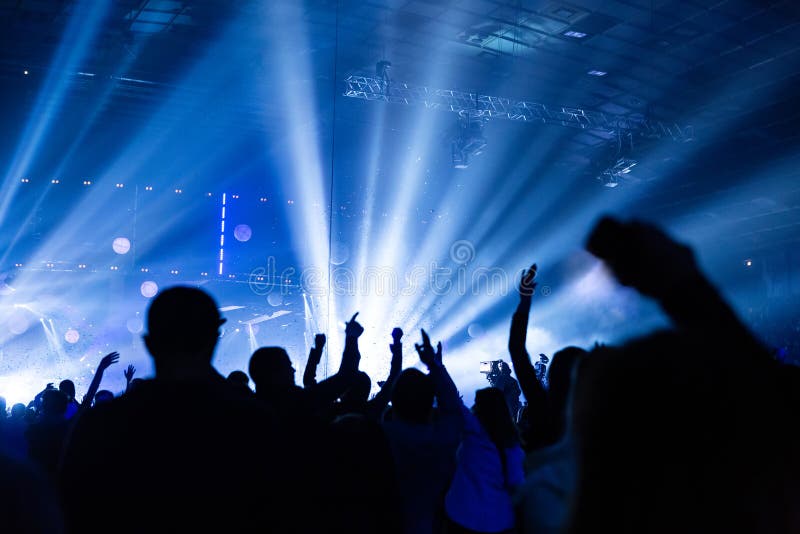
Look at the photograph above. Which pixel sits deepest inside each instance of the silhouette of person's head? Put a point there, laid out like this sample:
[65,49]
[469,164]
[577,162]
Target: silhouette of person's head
[18,411]
[358,393]
[182,331]
[503,368]
[54,404]
[67,387]
[491,410]
[412,398]
[271,369]
[102,397]
[239,378]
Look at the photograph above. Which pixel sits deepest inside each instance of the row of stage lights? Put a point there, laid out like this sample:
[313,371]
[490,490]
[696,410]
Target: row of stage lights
[146,270]
[120,185]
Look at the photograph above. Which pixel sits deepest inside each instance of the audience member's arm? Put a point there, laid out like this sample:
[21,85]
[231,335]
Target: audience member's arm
[446,392]
[334,387]
[314,357]
[104,364]
[379,402]
[526,373]
[645,258]
[128,373]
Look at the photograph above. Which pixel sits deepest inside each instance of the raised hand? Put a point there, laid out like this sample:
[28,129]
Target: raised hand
[397,334]
[352,328]
[426,353]
[527,285]
[108,360]
[129,372]
[319,342]
[642,256]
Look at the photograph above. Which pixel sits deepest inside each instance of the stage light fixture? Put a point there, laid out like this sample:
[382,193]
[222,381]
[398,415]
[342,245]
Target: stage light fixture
[55,181]
[25,72]
[468,141]
[25,181]
[748,262]
[148,188]
[119,186]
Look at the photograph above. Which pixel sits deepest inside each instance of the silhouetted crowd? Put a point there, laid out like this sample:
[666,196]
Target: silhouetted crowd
[622,438]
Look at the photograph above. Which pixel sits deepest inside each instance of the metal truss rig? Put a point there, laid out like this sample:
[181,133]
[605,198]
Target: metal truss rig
[494,107]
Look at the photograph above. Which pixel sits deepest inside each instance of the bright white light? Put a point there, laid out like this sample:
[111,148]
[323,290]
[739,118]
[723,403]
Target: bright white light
[597,73]
[121,245]
[72,336]
[242,233]
[576,35]
[748,263]
[148,289]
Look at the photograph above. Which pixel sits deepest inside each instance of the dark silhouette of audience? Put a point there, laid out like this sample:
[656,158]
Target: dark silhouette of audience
[624,438]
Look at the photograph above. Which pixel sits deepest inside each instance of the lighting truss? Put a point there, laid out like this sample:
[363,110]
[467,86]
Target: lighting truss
[494,107]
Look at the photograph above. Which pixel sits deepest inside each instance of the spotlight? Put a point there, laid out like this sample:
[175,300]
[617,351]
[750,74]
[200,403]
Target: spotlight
[173,271]
[148,289]
[242,233]
[25,181]
[609,179]
[148,188]
[114,268]
[72,336]
[121,245]
[81,266]
[87,182]
[55,181]
[204,274]
[234,196]
[17,265]
[144,270]
[262,199]
[468,141]
[208,194]
[290,201]
[25,72]
[119,186]
[748,262]
[231,276]
[178,191]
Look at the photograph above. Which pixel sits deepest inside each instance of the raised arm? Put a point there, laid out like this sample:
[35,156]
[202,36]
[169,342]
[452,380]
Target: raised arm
[376,406]
[446,392]
[645,258]
[128,374]
[531,387]
[334,387]
[314,357]
[104,364]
